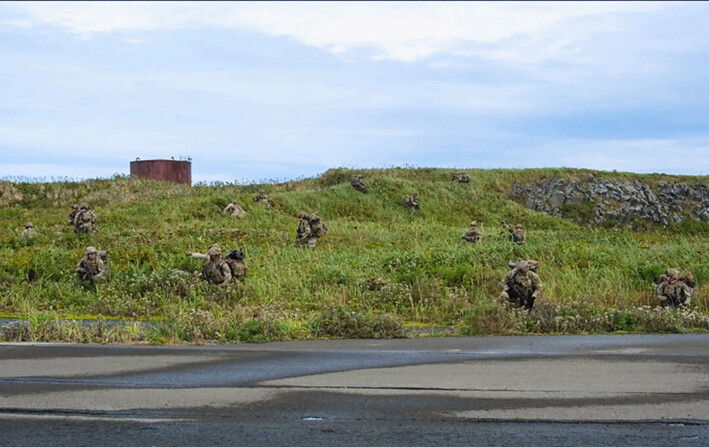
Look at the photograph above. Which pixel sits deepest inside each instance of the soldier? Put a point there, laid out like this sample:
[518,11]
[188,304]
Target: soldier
[29,232]
[310,229]
[517,236]
[91,268]
[358,184]
[302,234]
[288,187]
[461,177]
[675,290]
[217,270]
[263,198]
[411,202]
[521,286]
[85,221]
[235,259]
[317,226]
[472,235]
[72,216]
[235,210]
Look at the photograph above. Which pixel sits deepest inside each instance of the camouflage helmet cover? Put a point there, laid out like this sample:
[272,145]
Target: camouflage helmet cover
[214,250]
[314,216]
[518,226]
[91,249]
[473,223]
[302,215]
[523,266]
[672,273]
[28,224]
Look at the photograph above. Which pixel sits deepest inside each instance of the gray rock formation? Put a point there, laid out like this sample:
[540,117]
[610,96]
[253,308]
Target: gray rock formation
[595,200]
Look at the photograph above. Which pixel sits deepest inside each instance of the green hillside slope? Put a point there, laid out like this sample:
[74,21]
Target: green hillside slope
[378,266]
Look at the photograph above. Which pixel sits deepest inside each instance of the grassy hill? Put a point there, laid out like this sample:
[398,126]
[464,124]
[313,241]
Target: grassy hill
[377,267]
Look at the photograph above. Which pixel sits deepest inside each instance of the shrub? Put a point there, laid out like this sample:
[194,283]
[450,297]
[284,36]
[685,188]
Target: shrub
[341,322]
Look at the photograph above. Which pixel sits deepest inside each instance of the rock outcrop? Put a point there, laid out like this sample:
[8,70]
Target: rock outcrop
[596,200]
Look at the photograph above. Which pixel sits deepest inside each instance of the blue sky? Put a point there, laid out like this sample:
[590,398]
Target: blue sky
[279,90]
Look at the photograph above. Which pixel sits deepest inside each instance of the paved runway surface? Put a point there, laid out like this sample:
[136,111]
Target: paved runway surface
[624,390]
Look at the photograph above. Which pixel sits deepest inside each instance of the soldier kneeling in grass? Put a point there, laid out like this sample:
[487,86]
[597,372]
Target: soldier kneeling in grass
[675,290]
[310,229]
[29,232]
[91,269]
[216,271]
[473,235]
[411,202]
[521,286]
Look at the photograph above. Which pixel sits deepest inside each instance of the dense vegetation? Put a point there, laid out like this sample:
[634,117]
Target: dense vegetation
[378,266]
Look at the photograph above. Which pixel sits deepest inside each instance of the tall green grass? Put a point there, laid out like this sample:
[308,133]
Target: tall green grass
[424,272]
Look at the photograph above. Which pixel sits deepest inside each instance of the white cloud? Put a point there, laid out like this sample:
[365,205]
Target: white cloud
[402,31]
[49,172]
[689,156]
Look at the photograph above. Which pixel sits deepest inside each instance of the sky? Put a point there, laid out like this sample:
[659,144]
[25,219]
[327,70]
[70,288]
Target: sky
[286,90]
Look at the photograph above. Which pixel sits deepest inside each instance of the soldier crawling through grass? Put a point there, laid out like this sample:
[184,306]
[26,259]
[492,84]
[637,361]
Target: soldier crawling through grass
[235,210]
[461,177]
[358,184]
[263,199]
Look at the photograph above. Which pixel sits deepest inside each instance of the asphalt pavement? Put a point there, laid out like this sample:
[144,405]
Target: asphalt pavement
[625,390]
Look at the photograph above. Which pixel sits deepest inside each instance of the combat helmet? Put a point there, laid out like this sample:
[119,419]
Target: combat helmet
[672,273]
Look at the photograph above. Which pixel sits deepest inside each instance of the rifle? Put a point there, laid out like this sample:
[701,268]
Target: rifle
[87,276]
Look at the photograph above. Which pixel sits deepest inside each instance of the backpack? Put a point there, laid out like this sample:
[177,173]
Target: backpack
[318,228]
[235,260]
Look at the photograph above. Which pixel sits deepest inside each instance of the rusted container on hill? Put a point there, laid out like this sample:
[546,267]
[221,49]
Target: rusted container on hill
[176,171]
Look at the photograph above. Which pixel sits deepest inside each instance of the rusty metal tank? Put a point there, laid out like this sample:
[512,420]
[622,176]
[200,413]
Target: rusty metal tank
[176,171]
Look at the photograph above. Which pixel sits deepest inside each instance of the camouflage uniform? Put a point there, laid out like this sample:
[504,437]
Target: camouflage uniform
[235,210]
[461,177]
[411,202]
[85,221]
[521,286]
[358,184]
[472,235]
[29,232]
[310,229]
[91,267]
[216,271]
[302,234]
[235,259]
[517,235]
[263,198]
[71,218]
[675,291]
